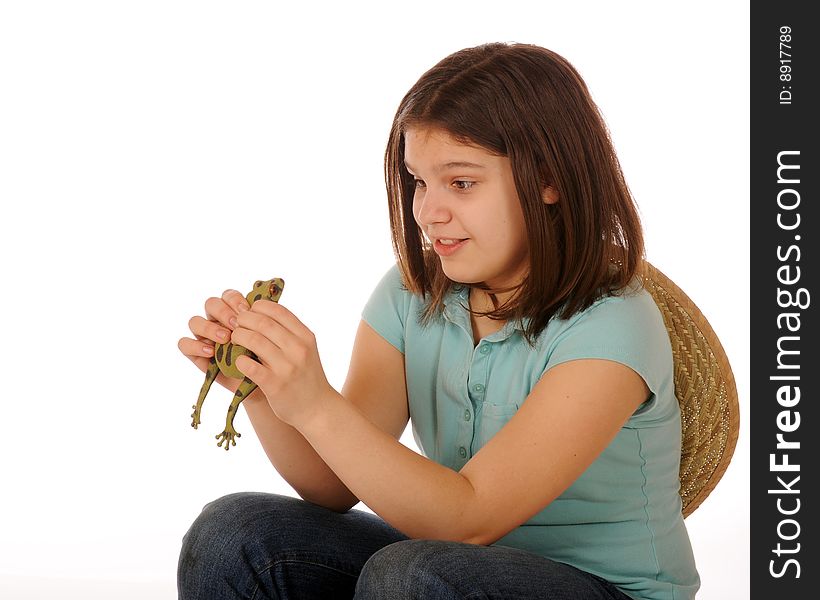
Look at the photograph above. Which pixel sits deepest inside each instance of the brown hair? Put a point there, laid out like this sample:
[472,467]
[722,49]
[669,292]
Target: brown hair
[529,104]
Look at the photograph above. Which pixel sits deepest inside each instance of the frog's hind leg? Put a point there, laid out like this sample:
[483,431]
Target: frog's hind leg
[228,436]
[210,377]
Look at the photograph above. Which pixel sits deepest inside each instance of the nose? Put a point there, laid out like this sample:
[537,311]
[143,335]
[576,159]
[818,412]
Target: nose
[430,207]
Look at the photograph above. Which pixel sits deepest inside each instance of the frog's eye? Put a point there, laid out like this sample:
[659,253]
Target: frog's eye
[258,283]
[274,289]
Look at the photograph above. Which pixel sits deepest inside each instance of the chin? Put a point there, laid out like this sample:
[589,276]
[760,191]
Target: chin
[460,274]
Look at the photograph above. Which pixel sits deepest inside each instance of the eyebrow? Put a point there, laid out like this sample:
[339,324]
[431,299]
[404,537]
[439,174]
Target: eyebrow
[450,165]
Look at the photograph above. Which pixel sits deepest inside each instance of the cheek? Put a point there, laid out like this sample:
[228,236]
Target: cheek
[509,233]
[503,237]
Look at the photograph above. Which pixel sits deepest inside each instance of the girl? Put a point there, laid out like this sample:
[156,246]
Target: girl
[515,335]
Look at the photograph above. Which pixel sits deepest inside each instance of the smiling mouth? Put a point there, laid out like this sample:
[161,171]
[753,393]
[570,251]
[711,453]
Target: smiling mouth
[448,247]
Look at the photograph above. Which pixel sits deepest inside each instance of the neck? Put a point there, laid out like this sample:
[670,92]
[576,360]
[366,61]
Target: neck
[482,301]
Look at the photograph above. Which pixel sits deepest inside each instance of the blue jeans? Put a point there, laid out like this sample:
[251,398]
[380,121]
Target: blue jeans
[256,545]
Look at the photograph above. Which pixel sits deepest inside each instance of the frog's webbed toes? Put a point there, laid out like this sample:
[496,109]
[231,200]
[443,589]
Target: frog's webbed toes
[228,437]
[195,418]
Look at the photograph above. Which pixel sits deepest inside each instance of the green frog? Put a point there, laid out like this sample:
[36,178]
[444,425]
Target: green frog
[224,361]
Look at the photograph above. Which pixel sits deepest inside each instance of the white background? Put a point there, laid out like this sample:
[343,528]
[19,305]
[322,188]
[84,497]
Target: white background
[154,153]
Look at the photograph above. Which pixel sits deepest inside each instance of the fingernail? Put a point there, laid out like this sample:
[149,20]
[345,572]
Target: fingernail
[222,334]
[207,350]
[232,322]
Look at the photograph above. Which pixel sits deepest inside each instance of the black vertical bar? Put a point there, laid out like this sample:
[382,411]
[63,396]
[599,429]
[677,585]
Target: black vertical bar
[784,263]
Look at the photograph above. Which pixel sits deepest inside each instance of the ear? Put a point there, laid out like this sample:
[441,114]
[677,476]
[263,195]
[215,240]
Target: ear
[550,195]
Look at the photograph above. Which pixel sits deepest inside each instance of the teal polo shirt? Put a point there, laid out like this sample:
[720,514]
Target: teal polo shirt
[621,519]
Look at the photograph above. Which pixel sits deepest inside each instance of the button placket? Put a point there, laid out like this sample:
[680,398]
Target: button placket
[466,423]
[477,386]
[478,372]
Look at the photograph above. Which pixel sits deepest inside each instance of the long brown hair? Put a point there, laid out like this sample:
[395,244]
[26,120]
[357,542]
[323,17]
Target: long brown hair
[529,104]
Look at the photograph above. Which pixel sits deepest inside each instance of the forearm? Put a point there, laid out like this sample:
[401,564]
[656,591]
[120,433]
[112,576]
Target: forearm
[412,493]
[295,459]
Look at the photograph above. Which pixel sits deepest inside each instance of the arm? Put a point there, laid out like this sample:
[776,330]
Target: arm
[294,458]
[563,425]
[375,384]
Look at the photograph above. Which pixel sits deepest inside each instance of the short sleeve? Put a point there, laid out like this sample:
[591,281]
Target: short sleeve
[625,329]
[386,310]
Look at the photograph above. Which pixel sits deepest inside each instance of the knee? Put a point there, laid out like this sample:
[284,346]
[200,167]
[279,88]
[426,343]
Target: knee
[217,518]
[217,539]
[405,569]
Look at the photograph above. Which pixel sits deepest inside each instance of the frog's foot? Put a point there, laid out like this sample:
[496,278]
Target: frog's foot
[228,437]
[195,416]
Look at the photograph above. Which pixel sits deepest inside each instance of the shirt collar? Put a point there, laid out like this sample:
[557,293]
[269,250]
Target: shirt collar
[456,310]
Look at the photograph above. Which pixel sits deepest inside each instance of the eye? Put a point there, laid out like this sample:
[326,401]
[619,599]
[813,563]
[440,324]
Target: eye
[466,184]
[417,183]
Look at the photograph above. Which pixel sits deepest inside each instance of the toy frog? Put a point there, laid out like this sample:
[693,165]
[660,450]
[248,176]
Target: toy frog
[224,361]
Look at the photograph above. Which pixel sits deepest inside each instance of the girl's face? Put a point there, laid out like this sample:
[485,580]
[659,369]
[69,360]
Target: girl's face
[466,203]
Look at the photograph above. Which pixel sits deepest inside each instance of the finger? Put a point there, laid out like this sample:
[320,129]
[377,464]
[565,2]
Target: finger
[201,363]
[270,328]
[195,348]
[258,372]
[284,317]
[216,309]
[263,347]
[206,330]
[235,300]
[196,352]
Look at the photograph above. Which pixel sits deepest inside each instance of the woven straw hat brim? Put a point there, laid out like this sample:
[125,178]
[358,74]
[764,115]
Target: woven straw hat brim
[705,388]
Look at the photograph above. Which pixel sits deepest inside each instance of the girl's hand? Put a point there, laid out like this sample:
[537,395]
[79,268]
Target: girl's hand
[287,369]
[215,327]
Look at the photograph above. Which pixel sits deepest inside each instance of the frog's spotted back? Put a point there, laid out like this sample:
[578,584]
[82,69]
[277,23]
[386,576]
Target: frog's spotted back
[224,361]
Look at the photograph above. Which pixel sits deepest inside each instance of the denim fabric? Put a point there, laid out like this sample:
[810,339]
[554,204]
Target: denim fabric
[257,545]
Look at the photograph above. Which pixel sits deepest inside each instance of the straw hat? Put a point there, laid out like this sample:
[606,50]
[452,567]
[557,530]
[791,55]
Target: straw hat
[705,388]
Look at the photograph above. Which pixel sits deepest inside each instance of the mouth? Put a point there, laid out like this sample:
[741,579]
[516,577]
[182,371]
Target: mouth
[448,246]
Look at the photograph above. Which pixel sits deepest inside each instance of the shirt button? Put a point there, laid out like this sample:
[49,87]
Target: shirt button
[485,349]
[467,415]
[462,452]
[478,387]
